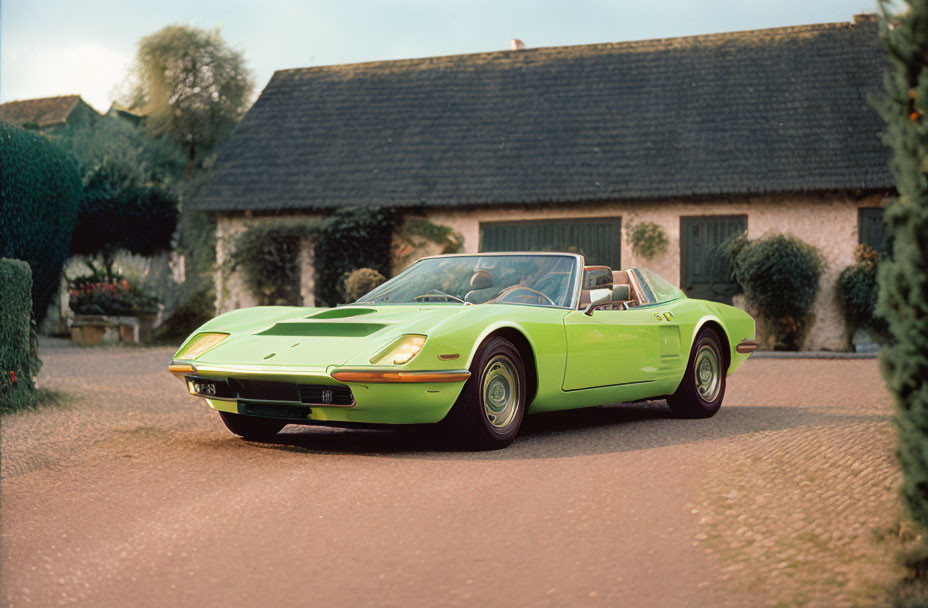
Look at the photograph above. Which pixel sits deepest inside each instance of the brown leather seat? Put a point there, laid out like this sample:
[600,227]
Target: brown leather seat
[594,277]
[620,277]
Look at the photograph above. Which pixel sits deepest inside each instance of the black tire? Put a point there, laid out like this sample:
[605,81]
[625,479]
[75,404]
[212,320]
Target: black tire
[496,366]
[697,396]
[250,427]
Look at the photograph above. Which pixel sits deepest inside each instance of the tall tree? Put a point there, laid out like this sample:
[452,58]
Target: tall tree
[903,278]
[192,87]
[129,201]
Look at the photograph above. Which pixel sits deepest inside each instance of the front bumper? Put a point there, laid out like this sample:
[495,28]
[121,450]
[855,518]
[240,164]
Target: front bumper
[379,397]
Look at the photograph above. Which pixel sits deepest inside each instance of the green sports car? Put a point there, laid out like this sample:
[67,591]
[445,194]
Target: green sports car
[472,341]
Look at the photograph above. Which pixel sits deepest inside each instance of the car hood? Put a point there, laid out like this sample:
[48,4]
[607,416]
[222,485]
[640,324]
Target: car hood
[319,338]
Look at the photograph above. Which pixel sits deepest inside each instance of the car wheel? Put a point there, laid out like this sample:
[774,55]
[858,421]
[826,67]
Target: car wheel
[249,427]
[702,389]
[489,411]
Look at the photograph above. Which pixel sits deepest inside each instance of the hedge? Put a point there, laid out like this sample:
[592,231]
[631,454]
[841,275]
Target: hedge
[40,191]
[17,362]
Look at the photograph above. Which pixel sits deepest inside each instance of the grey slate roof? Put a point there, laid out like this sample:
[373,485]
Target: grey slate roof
[766,111]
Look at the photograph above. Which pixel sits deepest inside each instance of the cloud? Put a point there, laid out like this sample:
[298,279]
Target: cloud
[89,68]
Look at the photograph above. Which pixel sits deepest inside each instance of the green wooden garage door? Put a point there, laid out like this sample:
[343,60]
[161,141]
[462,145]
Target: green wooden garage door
[600,240]
[704,273]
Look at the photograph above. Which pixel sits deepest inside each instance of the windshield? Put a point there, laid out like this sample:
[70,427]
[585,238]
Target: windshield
[657,288]
[540,280]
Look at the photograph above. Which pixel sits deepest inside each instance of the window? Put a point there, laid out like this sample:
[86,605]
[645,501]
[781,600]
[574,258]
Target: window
[871,229]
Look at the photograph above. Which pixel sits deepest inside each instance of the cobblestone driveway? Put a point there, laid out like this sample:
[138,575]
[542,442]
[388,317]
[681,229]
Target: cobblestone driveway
[134,494]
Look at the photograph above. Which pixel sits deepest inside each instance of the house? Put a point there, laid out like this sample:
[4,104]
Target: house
[769,131]
[49,113]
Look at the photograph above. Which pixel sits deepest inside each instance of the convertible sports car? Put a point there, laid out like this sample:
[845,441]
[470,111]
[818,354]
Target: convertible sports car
[472,341]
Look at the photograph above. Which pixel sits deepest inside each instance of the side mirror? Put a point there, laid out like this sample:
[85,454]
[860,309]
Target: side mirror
[598,297]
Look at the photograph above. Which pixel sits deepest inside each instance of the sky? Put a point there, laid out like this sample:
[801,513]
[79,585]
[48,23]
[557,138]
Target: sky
[60,47]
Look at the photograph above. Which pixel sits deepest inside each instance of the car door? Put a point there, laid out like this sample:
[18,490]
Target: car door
[614,347]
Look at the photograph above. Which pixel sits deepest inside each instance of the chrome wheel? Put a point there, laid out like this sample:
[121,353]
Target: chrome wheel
[500,392]
[708,373]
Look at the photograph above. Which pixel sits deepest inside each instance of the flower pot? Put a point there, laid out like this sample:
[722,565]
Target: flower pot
[864,343]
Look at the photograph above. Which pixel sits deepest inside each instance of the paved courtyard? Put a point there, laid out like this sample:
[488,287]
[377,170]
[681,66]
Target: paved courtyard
[133,493]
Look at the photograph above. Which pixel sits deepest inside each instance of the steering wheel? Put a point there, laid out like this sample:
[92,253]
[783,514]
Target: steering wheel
[437,292]
[504,295]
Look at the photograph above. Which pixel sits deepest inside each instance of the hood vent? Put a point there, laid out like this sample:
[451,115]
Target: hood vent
[341,313]
[334,330]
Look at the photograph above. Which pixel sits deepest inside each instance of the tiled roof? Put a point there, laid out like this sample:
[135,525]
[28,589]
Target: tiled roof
[776,110]
[44,112]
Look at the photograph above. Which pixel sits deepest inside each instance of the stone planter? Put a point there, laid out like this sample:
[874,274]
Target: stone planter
[91,330]
[864,343]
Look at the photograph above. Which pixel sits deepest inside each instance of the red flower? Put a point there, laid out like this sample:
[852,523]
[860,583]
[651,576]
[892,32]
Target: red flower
[13,376]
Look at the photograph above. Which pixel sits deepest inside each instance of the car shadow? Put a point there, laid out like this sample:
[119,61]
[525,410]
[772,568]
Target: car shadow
[589,431]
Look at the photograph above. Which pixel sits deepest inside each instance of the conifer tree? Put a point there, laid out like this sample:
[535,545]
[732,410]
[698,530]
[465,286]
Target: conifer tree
[903,278]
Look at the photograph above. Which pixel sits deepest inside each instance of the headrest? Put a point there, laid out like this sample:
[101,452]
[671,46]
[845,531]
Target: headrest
[621,293]
[596,276]
[620,277]
[482,279]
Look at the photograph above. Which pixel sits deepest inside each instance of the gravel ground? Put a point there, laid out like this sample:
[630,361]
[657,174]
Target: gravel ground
[134,493]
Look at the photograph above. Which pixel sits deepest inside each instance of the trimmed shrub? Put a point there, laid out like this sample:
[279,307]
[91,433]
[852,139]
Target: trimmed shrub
[192,312]
[362,281]
[137,219]
[858,290]
[40,191]
[18,361]
[780,277]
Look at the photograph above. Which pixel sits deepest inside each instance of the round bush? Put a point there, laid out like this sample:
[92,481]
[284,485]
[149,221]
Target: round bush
[40,191]
[780,277]
[362,281]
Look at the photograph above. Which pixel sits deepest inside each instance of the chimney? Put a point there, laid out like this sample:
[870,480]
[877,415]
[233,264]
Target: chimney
[515,44]
[864,19]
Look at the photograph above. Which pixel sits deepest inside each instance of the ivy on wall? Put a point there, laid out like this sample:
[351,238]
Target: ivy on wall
[648,239]
[268,252]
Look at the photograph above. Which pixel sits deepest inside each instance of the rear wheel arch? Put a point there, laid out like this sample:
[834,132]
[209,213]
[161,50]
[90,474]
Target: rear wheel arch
[518,339]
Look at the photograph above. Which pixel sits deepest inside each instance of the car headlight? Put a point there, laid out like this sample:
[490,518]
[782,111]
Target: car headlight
[201,344]
[400,352]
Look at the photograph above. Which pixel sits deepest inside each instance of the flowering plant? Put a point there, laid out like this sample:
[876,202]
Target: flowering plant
[90,296]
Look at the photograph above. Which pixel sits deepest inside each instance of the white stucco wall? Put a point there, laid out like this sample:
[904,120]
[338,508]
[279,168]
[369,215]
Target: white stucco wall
[828,222]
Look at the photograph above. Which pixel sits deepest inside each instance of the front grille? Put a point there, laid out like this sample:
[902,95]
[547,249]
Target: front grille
[266,389]
[273,410]
[321,394]
[269,391]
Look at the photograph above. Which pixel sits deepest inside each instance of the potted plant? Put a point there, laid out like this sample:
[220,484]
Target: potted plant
[110,311]
[858,291]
